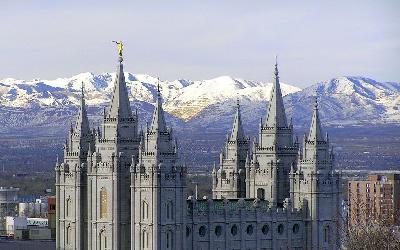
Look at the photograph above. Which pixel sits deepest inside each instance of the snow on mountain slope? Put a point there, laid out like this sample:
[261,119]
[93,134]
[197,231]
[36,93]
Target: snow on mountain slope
[182,98]
[348,100]
[197,104]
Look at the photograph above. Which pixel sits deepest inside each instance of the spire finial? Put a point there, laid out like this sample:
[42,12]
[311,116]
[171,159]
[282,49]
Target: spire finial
[158,87]
[82,89]
[276,65]
[315,102]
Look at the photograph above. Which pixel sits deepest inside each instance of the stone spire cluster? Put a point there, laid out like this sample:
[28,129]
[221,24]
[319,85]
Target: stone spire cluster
[120,106]
[229,180]
[120,189]
[315,128]
[276,115]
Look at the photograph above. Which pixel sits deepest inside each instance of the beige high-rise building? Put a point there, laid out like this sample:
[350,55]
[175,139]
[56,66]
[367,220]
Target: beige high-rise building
[377,198]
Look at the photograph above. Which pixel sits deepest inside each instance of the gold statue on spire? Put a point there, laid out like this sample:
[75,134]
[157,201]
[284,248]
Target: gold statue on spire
[120,47]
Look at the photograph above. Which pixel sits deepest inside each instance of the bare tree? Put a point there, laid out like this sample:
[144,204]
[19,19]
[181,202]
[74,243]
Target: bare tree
[368,230]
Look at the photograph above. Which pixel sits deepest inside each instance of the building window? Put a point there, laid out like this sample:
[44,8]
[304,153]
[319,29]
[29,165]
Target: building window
[145,210]
[103,240]
[249,229]
[68,207]
[170,210]
[281,228]
[103,203]
[296,228]
[68,236]
[234,230]
[218,231]
[265,229]
[170,240]
[261,193]
[202,231]
[326,234]
[145,240]
[187,231]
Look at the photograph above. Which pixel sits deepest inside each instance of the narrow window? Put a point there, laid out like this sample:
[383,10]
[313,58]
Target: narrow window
[103,203]
[68,207]
[170,240]
[170,210]
[326,234]
[68,236]
[145,210]
[261,193]
[103,240]
[145,240]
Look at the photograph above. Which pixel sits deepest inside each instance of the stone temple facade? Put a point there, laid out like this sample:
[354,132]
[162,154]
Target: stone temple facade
[118,188]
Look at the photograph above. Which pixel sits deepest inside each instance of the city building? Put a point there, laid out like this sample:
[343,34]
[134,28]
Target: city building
[376,198]
[8,205]
[33,209]
[120,188]
[51,215]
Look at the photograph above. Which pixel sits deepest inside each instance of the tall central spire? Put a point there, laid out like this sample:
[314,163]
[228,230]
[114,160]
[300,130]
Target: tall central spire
[120,106]
[315,128]
[237,129]
[82,121]
[158,121]
[276,116]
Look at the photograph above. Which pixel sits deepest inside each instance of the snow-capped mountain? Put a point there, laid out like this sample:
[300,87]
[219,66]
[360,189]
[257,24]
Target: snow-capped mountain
[208,103]
[182,98]
[349,100]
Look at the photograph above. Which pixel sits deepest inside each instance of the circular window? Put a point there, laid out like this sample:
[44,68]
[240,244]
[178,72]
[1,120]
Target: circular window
[280,229]
[296,228]
[234,230]
[187,231]
[249,229]
[202,231]
[265,229]
[218,231]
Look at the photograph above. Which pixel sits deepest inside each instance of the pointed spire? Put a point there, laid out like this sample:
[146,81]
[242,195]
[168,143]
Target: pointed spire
[120,106]
[237,129]
[158,121]
[276,116]
[315,128]
[82,122]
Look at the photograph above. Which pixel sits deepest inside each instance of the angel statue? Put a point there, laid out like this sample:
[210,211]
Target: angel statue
[120,47]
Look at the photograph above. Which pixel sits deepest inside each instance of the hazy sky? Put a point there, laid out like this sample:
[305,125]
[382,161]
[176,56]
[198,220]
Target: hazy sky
[202,39]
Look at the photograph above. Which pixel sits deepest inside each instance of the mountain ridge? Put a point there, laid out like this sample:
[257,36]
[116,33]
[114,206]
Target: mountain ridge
[205,103]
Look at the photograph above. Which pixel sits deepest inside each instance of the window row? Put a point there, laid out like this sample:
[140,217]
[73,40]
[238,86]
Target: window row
[249,230]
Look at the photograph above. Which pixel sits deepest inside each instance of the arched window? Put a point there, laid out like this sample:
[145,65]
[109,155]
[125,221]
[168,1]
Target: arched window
[170,240]
[170,210]
[261,193]
[103,203]
[145,240]
[145,210]
[103,240]
[68,236]
[68,207]
[326,234]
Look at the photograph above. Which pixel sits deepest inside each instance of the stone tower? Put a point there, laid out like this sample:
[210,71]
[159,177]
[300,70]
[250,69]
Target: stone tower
[71,184]
[267,173]
[109,172]
[316,185]
[229,180]
[158,189]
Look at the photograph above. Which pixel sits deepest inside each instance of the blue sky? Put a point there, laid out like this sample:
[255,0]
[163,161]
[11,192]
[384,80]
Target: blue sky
[195,40]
